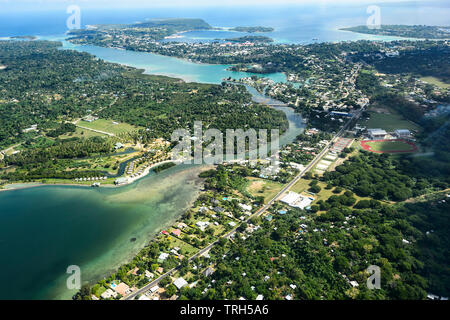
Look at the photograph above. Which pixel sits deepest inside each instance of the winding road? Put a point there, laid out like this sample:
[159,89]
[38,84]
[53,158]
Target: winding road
[259,212]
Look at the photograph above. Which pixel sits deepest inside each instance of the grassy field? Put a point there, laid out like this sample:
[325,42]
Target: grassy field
[266,188]
[389,146]
[389,122]
[82,133]
[108,126]
[186,248]
[302,186]
[436,82]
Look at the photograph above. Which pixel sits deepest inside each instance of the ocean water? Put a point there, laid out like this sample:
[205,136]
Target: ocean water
[166,66]
[45,229]
[293,23]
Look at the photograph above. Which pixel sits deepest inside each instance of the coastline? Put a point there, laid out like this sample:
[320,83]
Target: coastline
[28,185]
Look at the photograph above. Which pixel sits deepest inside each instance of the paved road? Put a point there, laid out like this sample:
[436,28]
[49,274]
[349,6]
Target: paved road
[257,213]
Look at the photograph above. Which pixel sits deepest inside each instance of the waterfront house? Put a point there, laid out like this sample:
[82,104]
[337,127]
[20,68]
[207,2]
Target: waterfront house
[108,294]
[122,288]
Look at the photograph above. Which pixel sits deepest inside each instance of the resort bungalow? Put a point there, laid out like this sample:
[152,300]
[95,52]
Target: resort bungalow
[118,145]
[121,181]
[376,134]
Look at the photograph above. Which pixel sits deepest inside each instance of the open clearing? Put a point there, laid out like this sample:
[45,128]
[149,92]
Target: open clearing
[436,82]
[109,126]
[389,122]
[266,188]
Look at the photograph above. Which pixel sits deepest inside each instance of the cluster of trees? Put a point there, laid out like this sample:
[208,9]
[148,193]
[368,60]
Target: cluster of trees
[53,161]
[165,107]
[62,129]
[407,31]
[307,141]
[381,177]
[383,97]
[430,61]
[42,84]
[432,219]
[278,259]
[164,166]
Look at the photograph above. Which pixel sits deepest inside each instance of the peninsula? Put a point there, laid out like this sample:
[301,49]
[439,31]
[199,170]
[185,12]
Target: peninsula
[406,31]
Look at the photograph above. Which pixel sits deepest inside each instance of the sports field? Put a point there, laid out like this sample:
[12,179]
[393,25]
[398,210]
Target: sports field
[389,146]
[389,122]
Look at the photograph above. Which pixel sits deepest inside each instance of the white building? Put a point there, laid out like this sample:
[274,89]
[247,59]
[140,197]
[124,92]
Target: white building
[376,134]
[403,133]
[296,200]
[180,283]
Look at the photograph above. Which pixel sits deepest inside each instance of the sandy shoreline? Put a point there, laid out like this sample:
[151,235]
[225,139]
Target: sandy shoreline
[28,185]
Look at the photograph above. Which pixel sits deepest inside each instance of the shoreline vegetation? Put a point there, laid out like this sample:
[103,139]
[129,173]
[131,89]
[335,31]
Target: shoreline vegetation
[257,29]
[404,31]
[255,39]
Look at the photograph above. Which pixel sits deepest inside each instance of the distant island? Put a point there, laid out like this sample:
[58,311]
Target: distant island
[252,29]
[421,32]
[154,29]
[258,39]
[25,37]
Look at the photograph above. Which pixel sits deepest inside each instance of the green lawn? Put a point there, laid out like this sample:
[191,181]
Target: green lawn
[82,133]
[108,126]
[261,187]
[186,248]
[302,186]
[389,122]
[386,146]
[436,82]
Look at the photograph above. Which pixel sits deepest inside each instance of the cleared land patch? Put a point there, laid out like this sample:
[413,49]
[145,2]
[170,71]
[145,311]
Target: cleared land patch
[109,126]
[266,188]
[389,122]
[436,82]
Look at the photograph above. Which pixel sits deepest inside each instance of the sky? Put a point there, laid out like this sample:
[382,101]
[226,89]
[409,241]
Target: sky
[178,3]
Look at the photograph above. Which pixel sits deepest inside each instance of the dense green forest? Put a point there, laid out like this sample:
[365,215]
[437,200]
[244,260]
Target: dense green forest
[50,88]
[431,61]
[52,161]
[385,178]
[167,107]
[42,83]
[316,257]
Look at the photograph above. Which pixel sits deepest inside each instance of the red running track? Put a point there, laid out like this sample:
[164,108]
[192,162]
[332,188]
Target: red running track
[365,146]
